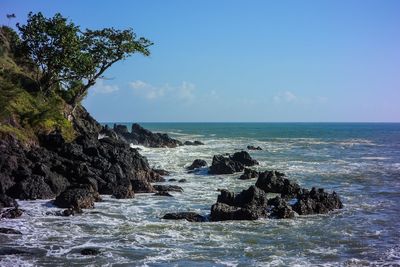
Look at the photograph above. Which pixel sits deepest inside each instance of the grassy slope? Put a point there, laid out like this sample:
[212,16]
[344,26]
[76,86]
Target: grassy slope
[26,112]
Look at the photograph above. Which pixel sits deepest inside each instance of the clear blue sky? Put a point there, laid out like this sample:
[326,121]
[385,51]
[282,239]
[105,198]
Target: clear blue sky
[244,60]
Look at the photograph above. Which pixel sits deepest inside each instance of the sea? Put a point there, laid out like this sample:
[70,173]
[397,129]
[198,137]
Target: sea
[360,161]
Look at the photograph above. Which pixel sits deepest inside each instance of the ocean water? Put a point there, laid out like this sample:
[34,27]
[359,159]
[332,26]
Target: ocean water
[361,162]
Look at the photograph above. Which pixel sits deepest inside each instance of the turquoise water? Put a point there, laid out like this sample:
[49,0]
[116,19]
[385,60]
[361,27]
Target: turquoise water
[361,162]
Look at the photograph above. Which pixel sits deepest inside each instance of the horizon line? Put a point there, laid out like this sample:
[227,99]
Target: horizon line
[359,122]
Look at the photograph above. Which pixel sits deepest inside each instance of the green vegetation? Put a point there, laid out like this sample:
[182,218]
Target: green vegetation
[47,69]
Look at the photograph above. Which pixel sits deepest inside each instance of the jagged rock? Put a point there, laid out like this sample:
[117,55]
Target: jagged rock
[9,231]
[10,213]
[231,164]
[244,158]
[163,193]
[6,201]
[224,165]
[173,188]
[249,204]
[162,172]
[77,198]
[274,182]
[107,132]
[254,148]
[189,216]
[142,136]
[317,201]
[90,251]
[197,163]
[280,208]
[121,192]
[195,143]
[248,174]
[33,187]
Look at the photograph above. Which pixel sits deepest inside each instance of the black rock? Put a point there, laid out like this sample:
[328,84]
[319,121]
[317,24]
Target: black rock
[182,181]
[197,163]
[195,143]
[163,193]
[172,180]
[10,213]
[280,209]
[162,172]
[9,231]
[173,188]
[6,201]
[189,216]
[244,158]
[77,198]
[90,251]
[224,165]
[274,182]
[317,201]
[122,192]
[254,148]
[224,212]
[248,174]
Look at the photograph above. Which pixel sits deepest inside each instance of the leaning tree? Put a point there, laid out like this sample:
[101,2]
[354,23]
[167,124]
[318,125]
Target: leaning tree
[70,60]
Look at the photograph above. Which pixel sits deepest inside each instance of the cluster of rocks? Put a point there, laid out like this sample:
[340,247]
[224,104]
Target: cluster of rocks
[141,136]
[253,203]
[230,164]
[254,148]
[74,173]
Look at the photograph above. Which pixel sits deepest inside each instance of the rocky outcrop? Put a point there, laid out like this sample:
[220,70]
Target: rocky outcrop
[193,143]
[275,182]
[166,188]
[254,148]
[10,213]
[77,198]
[250,204]
[231,163]
[197,163]
[189,216]
[141,136]
[249,174]
[317,201]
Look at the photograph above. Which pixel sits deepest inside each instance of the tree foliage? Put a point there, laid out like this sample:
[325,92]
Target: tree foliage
[69,59]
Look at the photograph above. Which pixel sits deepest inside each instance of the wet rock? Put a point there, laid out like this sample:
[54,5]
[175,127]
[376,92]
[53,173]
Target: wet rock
[12,251]
[6,201]
[317,201]
[33,187]
[172,180]
[90,251]
[77,198]
[189,216]
[122,192]
[172,188]
[9,231]
[254,148]
[163,193]
[274,182]
[224,165]
[182,181]
[280,209]
[162,172]
[244,158]
[248,174]
[195,143]
[231,164]
[197,163]
[70,212]
[10,213]
[249,204]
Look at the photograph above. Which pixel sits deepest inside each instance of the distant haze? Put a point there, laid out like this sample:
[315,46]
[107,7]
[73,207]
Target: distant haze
[244,60]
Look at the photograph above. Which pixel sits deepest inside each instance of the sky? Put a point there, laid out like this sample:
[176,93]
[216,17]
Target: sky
[243,61]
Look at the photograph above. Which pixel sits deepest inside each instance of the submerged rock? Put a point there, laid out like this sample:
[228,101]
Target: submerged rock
[10,213]
[163,193]
[195,143]
[189,216]
[173,188]
[90,251]
[254,148]
[9,231]
[197,163]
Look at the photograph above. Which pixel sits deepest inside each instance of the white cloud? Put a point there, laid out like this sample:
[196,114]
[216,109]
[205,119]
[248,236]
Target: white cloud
[102,88]
[289,97]
[184,91]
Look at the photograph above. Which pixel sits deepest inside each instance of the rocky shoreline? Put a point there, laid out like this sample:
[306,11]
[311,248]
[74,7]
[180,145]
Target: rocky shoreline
[101,161]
